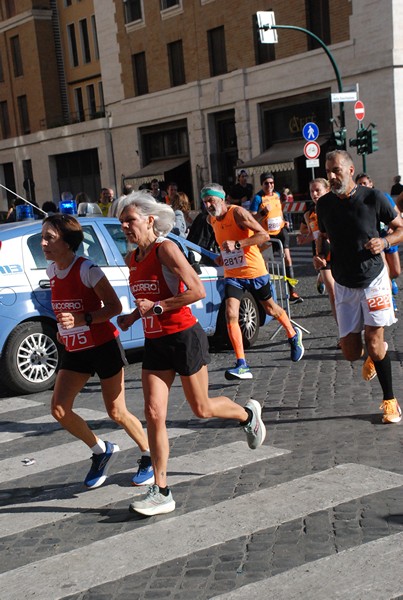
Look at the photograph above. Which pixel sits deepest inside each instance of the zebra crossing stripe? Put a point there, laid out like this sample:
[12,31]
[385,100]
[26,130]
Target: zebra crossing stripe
[11,404]
[74,499]
[116,557]
[19,429]
[13,468]
[367,571]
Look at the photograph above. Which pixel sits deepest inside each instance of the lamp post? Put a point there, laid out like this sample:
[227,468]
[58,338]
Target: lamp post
[269,15]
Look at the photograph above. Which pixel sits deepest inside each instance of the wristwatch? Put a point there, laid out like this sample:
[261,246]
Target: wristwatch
[88,318]
[157,308]
[237,245]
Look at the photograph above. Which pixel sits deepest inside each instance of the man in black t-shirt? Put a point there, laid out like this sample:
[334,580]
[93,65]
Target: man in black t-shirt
[350,217]
[241,193]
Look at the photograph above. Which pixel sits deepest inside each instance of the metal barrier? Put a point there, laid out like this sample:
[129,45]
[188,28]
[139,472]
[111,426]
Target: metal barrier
[278,276]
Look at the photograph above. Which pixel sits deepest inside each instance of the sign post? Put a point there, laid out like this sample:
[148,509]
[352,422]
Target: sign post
[310,132]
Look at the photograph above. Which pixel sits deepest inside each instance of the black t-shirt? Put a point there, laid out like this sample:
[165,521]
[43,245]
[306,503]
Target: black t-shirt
[238,191]
[349,223]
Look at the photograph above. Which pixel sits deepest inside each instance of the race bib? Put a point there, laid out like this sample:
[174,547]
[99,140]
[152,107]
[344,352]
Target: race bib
[378,298]
[233,260]
[77,338]
[274,224]
[151,324]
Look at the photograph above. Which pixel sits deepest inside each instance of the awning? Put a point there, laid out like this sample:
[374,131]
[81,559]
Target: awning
[155,170]
[279,157]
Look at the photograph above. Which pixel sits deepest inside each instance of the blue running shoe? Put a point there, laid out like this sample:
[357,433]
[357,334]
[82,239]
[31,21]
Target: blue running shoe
[395,289]
[297,348]
[145,472]
[100,464]
[240,371]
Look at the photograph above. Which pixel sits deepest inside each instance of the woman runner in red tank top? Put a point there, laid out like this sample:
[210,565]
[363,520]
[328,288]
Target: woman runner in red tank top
[164,285]
[84,301]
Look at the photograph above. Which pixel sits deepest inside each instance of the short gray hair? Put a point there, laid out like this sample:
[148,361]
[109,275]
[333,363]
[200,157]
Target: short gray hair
[146,205]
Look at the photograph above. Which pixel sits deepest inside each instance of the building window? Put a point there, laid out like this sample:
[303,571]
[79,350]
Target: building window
[85,41]
[16,55]
[67,2]
[23,112]
[71,32]
[169,4]
[140,73]
[165,143]
[79,105]
[176,63]
[133,10]
[4,120]
[92,105]
[95,36]
[1,69]
[263,52]
[101,97]
[10,8]
[318,21]
[217,52]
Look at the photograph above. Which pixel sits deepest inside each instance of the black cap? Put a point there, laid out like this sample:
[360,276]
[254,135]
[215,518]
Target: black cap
[266,176]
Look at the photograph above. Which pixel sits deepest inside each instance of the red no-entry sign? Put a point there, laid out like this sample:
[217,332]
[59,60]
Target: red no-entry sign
[359,110]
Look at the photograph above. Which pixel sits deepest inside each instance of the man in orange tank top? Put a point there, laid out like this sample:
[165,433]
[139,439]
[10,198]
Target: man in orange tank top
[239,235]
[267,208]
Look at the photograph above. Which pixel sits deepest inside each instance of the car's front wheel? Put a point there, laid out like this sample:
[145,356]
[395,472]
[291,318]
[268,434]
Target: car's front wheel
[30,358]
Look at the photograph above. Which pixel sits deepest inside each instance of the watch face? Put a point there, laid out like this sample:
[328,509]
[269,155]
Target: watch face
[157,310]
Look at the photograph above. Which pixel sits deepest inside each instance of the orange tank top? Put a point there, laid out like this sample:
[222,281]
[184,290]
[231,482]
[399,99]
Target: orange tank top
[273,222]
[246,263]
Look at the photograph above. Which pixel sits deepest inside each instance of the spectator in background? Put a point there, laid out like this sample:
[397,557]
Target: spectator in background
[105,200]
[158,194]
[241,193]
[49,207]
[11,216]
[172,189]
[397,187]
[113,209]
[82,197]
[181,206]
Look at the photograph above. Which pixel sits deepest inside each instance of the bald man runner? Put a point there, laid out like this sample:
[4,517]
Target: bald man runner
[238,235]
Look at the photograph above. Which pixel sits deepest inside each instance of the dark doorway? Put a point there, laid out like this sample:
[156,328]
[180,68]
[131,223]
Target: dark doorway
[223,161]
[9,182]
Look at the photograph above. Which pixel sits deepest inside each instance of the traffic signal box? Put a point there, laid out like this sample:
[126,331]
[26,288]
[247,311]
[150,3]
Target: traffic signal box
[338,139]
[366,141]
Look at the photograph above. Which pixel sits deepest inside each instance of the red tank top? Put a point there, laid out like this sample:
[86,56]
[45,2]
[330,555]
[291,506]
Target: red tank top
[71,295]
[151,280]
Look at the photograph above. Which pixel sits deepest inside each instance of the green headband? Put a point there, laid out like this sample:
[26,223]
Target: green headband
[209,192]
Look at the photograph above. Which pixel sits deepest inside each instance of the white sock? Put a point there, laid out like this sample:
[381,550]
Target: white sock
[146,452]
[99,448]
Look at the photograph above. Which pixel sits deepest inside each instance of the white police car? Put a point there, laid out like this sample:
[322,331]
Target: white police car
[29,352]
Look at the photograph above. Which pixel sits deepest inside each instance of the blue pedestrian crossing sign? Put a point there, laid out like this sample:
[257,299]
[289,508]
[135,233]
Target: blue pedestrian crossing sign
[310,132]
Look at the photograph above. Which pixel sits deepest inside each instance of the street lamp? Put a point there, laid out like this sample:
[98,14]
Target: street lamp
[266,25]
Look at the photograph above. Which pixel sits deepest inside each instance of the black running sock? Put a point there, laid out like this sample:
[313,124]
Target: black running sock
[384,371]
[164,490]
[249,419]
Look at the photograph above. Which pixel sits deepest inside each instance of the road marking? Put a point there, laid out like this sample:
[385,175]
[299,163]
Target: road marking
[114,557]
[13,468]
[11,404]
[367,571]
[45,424]
[75,499]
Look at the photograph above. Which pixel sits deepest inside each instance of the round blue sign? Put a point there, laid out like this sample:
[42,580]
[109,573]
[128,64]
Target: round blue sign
[310,132]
